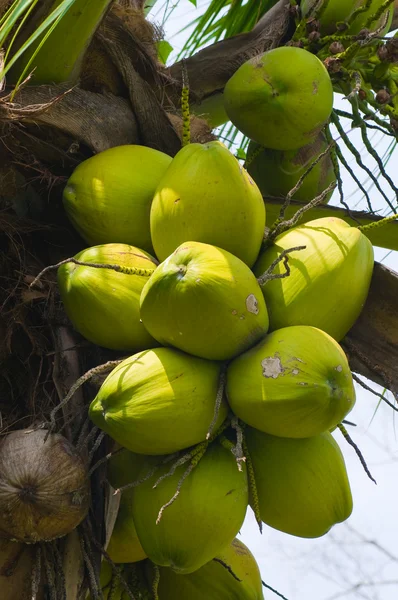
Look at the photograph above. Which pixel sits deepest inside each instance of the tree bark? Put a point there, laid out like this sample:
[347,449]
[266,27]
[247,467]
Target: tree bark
[210,68]
[372,344]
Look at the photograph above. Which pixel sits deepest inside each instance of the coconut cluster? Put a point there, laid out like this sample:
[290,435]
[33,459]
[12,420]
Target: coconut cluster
[235,376]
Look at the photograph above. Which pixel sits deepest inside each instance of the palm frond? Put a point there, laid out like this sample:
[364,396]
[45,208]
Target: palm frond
[223,19]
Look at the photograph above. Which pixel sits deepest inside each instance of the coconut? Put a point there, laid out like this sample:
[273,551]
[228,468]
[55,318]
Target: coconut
[204,518]
[108,196]
[280,99]
[276,172]
[329,280]
[103,304]
[302,484]
[44,487]
[338,11]
[214,581]
[205,301]
[207,196]
[159,401]
[295,383]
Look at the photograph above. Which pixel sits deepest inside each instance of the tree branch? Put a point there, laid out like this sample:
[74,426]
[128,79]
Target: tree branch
[210,68]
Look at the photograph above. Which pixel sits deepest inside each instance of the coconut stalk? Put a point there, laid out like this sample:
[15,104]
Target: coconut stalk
[56,56]
[383,237]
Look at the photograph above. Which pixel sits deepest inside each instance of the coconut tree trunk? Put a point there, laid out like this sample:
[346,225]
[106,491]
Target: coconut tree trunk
[125,97]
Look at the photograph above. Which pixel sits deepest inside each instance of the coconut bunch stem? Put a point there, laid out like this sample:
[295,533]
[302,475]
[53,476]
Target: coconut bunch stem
[350,441]
[118,268]
[284,256]
[78,384]
[186,115]
[253,494]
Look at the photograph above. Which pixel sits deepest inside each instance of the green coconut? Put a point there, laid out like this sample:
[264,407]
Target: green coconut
[213,581]
[108,196]
[205,301]
[337,11]
[276,172]
[280,99]
[302,484]
[328,282]
[207,196]
[295,383]
[159,401]
[102,304]
[204,518]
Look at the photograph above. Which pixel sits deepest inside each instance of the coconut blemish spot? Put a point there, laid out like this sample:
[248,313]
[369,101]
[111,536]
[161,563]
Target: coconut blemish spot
[272,367]
[252,304]
[339,368]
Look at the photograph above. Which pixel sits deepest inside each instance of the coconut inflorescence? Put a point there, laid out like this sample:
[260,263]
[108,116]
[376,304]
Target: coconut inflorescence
[343,15]
[234,377]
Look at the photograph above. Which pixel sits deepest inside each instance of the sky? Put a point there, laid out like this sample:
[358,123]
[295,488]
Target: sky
[357,559]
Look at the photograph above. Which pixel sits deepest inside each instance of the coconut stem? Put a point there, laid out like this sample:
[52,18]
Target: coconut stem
[117,268]
[96,445]
[150,473]
[358,120]
[369,389]
[155,581]
[194,456]
[50,572]
[59,569]
[36,572]
[336,166]
[228,568]
[184,476]
[376,16]
[253,493]
[350,146]
[357,450]
[253,155]
[377,224]
[300,182]
[280,226]
[220,394]
[95,590]
[284,256]
[273,590]
[186,116]
[88,375]
[336,122]
[237,450]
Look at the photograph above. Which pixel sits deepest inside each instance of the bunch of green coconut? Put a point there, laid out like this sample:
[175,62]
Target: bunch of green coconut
[234,377]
